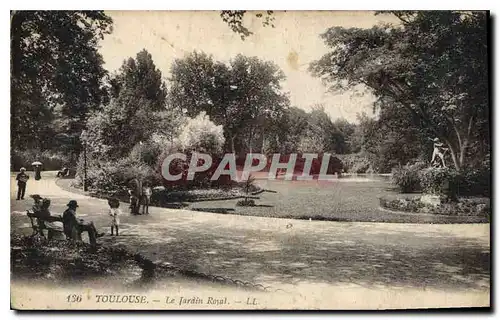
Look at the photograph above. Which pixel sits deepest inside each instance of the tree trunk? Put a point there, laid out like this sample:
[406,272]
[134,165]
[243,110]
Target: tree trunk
[463,149]
[17,19]
[262,142]
[232,144]
[456,162]
[250,141]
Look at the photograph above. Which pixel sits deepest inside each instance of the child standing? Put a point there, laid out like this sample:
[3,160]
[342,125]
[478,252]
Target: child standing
[146,198]
[114,212]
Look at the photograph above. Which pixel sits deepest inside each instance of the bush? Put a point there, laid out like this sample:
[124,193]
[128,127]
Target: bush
[146,153]
[440,181]
[407,178]
[201,180]
[355,163]
[202,134]
[463,207]
[51,160]
[476,181]
[246,203]
[113,176]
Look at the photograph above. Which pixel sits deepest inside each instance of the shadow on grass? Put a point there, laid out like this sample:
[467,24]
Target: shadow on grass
[396,258]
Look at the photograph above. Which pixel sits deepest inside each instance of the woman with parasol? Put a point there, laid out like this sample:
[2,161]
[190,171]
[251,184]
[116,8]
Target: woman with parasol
[37,169]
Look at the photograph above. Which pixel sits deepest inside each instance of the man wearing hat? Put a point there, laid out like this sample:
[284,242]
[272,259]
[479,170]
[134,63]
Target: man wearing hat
[22,179]
[37,206]
[73,227]
[46,220]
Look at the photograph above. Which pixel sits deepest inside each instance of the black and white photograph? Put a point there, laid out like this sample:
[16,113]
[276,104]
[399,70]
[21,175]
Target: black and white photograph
[250,160]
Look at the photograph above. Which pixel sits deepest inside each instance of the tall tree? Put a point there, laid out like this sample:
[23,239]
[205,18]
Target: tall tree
[345,131]
[285,133]
[139,77]
[137,109]
[433,65]
[54,62]
[320,135]
[258,99]
[242,95]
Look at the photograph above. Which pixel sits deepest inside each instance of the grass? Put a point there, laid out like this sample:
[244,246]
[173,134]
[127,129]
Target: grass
[316,199]
[346,200]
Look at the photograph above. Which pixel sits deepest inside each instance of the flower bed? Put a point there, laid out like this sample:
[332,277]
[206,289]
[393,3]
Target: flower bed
[162,195]
[463,207]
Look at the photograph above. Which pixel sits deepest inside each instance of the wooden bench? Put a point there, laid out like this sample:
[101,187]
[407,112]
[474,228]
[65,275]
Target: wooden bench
[39,224]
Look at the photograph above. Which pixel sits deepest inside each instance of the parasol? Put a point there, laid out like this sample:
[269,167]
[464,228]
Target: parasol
[36,163]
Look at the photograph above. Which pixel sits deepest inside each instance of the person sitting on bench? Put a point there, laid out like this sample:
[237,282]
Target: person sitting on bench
[46,220]
[73,227]
[63,172]
[37,206]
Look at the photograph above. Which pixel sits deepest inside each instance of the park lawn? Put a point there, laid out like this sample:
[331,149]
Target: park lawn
[350,200]
[340,200]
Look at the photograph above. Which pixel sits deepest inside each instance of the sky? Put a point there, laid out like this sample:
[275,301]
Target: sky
[292,44]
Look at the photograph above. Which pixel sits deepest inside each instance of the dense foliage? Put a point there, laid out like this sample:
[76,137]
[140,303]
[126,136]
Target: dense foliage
[428,73]
[463,207]
[407,178]
[57,75]
[431,66]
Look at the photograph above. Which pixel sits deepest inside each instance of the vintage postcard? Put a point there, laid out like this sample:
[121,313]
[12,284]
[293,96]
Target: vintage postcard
[250,160]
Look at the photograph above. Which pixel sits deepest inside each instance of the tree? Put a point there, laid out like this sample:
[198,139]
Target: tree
[234,19]
[136,111]
[54,63]
[139,77]
[433,65]
[321,134]
[243,96]
[285,133]
[258,100]
[346,130]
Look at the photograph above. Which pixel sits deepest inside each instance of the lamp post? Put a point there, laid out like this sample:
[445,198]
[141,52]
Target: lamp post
[83,138]
[84,165]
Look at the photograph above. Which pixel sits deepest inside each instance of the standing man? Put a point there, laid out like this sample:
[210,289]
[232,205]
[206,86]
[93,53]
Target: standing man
[22,179]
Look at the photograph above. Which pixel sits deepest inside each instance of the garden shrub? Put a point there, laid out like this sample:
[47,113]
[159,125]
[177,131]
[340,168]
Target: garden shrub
[201,135]
[476,181]
[407,177]
[246,203]
[463,207]
[440,181]
[356,163]
[113,176]
[51,160]
[147,153]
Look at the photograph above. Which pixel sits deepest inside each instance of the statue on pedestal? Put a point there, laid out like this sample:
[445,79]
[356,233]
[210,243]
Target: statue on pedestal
[438,154]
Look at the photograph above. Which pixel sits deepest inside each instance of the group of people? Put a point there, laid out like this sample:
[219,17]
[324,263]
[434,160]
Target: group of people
[73,227]
[139,196]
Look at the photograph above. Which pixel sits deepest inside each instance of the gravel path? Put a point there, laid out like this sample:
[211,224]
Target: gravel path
[293,254]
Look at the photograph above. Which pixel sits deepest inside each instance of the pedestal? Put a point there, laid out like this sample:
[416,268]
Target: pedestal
[431,199]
